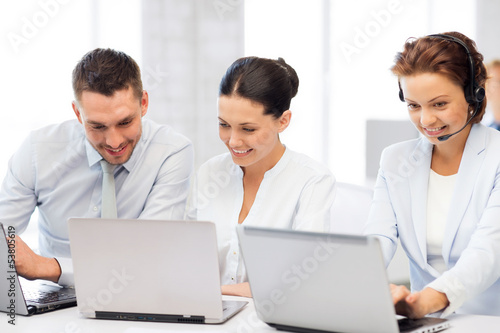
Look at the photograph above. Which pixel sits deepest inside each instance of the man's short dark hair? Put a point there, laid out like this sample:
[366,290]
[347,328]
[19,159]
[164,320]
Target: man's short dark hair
[105,71]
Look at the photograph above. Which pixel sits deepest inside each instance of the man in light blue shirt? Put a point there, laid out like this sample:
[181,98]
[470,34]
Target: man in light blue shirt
[57,168]
[493,94]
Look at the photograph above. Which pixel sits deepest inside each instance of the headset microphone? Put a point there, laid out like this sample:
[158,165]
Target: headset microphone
[447,136]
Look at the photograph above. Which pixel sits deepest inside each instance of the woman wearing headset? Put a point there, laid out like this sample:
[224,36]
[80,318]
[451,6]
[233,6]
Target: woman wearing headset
[259,181]
[440,194]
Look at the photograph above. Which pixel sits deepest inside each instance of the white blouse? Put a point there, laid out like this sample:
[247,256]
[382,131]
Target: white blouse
[297,193]
[440,191]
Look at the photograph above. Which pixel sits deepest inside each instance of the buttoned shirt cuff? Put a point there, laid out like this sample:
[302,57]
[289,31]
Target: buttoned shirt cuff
[454,291]
[66,279]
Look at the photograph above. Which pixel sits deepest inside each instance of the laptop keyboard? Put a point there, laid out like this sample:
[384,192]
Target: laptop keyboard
[42,297]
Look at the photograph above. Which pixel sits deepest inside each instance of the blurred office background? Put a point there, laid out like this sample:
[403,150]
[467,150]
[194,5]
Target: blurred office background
[347,107]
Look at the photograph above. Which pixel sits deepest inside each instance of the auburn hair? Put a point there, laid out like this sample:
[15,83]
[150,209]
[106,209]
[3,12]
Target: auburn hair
[446,57]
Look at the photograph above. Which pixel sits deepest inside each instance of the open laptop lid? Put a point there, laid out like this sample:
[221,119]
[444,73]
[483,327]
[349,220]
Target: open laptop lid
[46,296]
[166,269]
[12,298]
[314,281]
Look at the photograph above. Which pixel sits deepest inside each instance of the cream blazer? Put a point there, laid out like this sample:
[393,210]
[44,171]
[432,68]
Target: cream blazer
[471,245]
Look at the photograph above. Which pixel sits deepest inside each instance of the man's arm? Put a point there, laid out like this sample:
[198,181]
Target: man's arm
[33,266]
[168,197]
[17,203]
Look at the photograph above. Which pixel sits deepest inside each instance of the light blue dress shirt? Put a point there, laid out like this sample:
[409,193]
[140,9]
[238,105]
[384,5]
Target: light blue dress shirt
[57,170]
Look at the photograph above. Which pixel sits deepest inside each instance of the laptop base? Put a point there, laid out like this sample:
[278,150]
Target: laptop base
[18,293]
[230,308]
[37,309]
[296,329]
[150,317]
[405,325]
[414,325]
[42,296]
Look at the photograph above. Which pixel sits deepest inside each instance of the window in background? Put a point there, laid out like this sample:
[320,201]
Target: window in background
[342,52]
[363,87]
[295,30]
[345,81]
[41,43]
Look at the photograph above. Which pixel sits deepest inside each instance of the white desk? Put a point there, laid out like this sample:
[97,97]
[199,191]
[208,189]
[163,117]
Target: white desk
[69,321]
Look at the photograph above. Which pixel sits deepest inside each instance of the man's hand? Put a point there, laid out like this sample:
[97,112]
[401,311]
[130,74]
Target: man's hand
[418,304]
[33,266]
[239,289]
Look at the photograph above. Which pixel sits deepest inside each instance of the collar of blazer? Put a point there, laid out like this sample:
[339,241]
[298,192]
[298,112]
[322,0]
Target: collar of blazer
[468,172]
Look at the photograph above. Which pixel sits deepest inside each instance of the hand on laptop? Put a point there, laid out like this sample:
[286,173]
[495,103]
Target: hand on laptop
[418,304]
[239,289]
[33,266]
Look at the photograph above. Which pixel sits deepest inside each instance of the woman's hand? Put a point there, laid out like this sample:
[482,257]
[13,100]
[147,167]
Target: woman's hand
[239,289]
[418,304]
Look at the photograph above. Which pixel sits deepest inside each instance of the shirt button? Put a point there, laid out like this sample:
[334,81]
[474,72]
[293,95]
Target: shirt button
[232,278]
[95,208]
[234,252]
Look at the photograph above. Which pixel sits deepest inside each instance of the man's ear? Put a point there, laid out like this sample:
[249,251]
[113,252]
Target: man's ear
[77,112]
[144,103]
[284,120]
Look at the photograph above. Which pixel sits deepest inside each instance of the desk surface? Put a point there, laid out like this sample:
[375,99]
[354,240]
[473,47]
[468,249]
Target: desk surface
[69,321]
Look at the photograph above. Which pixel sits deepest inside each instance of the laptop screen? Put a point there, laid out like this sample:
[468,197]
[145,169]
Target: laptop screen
[318,281]
[146,267]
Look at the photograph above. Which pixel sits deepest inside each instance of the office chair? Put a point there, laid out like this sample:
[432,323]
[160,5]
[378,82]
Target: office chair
[350,208]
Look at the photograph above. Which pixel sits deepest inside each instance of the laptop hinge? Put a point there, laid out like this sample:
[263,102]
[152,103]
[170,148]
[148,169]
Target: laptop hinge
[150,317]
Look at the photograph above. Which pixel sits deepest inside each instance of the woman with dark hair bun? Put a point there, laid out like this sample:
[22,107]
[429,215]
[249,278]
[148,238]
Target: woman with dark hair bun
[260,181]
[440,194]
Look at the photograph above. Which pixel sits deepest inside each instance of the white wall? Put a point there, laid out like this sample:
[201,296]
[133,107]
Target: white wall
[342,51]
[187,46]
[488,28]
[41,42]
[184,47]
[364,44]
[295,30]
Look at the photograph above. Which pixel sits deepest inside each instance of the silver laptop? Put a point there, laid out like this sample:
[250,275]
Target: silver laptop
[307,282]
[148,270]
[23,297]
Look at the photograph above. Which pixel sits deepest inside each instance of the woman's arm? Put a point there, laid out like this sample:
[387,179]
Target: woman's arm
[239,289]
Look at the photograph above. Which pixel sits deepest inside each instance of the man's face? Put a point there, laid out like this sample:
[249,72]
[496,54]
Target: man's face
[113,125]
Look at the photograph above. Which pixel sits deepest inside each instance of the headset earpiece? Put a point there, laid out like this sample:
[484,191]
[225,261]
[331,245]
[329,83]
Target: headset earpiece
[474,93]
[401,95]
[479,94]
